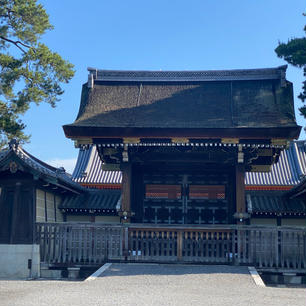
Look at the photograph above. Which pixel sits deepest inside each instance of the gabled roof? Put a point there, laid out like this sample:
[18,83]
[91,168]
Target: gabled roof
[25,160]
[288,171]
[231,102]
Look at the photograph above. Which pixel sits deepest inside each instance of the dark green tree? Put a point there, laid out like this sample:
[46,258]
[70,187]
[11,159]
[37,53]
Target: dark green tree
[294,53]
[29,70]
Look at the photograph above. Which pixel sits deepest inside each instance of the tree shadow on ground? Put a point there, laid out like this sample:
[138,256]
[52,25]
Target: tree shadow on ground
[132,269]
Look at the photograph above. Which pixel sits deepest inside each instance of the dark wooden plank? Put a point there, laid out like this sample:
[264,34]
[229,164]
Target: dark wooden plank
[6,207]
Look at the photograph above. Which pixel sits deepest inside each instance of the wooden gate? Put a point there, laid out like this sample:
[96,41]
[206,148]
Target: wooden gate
[186,199]
[205,245]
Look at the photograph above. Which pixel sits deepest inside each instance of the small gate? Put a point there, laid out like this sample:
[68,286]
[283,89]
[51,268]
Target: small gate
[204,245]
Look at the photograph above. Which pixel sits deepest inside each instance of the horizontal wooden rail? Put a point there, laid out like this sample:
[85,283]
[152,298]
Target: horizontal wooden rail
[94,243]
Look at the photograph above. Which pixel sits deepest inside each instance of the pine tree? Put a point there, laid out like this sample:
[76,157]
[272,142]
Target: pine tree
[294,53]
[29,70]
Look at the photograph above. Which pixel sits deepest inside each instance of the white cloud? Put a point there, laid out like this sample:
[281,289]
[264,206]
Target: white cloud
[68,163]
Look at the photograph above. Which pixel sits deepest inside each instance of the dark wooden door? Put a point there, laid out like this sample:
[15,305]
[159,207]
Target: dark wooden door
[186,199]
[6,210]
[16,214]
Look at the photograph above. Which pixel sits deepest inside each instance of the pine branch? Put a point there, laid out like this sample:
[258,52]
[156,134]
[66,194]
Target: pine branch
[17,43]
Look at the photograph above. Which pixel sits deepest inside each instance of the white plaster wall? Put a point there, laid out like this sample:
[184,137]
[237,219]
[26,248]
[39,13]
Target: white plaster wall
[107,219]
[50,207]
[40,206]
[86,218]
[42,197]
[263,221]
[14,261]
[78,218]
[293,222]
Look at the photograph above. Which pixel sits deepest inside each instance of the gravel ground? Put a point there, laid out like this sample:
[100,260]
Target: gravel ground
[143,284]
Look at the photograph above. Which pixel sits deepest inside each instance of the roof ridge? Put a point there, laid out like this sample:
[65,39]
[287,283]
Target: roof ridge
[282,67]
[186,75]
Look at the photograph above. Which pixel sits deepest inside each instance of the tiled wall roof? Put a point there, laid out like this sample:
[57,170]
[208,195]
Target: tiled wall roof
[88,169]
[287,172]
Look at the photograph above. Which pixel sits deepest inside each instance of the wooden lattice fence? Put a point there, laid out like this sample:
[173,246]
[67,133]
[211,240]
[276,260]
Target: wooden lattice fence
[93,243]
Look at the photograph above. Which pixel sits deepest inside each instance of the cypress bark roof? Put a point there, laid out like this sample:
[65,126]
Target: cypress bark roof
[254,98]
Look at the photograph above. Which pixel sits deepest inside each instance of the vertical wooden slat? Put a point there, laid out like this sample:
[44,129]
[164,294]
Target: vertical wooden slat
[238,246]
[49,239]
[222,252]
[69,239]
[201,244]
[108,244]
[59,244]
[94,245]
[282,242]
[234,244]
[64,245]
[276,235]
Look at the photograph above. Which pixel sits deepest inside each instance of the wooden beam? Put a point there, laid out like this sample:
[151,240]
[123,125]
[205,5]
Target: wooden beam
[240,189]
[94,132]
[126,191]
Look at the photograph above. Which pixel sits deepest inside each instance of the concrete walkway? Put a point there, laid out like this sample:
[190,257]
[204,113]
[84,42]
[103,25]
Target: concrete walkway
[143,284]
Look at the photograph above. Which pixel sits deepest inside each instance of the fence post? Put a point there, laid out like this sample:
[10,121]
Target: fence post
[125,241]
[179,245]
[276,241]
[234,238]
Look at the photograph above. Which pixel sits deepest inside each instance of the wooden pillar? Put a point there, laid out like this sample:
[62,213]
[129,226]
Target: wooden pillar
[33,215]
[126,192]
[240,191]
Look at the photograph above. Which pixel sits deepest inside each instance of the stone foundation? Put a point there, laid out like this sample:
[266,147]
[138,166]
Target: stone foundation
[14,261]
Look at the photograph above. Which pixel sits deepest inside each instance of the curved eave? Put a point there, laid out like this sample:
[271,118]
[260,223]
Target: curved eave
[40,170]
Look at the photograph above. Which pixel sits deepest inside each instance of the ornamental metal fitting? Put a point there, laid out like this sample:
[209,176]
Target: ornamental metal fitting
[241,215]
[125,155]
[13,144]
[240,155]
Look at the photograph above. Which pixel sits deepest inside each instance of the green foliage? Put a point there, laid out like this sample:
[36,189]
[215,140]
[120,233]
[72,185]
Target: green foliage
[29,70]
[294,52]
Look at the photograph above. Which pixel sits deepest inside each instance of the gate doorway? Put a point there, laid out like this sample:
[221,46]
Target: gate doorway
[186,199]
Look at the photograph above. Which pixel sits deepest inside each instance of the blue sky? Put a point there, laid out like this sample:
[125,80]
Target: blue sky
[154,35]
